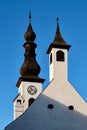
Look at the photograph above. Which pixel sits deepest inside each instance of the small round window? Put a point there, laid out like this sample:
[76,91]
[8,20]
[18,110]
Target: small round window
[50,106]
[71,107]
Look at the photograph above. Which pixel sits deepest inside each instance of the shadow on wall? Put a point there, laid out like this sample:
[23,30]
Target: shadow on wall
[48,114]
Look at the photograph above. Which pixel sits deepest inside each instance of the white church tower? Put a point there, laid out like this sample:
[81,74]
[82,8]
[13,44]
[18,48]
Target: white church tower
[62,89]
[58,57]
[29,84]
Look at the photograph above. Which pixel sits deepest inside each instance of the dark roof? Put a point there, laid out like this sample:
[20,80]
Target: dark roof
[29,79]
[58,41]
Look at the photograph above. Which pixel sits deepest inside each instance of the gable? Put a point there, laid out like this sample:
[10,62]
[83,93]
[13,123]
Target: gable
[18,97]
[64,92]
[40,117]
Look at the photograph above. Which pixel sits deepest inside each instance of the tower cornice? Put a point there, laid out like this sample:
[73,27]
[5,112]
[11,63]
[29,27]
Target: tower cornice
[29,79]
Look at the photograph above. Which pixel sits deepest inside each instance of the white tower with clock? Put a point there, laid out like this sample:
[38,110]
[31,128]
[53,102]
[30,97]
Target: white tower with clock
[29,84]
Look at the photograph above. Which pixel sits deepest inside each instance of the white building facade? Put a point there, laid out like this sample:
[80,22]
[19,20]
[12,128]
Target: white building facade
[58,106]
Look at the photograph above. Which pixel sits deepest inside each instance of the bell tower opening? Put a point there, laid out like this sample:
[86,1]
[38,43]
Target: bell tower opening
[60,56]
[31,100]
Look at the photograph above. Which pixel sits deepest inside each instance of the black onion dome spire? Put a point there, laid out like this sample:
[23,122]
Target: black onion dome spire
[58,41]
[30,67]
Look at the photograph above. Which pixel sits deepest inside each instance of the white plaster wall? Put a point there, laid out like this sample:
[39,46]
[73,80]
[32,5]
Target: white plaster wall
[51,67]
[40,117]
[18,111]
[18,108]
[58,69]
[63,92]
[24,86]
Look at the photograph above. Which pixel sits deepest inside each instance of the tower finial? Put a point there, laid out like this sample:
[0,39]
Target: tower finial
[30,16]
[29,34]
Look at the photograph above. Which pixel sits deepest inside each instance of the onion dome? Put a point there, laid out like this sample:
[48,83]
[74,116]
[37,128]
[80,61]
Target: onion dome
[30,67]
[30,35]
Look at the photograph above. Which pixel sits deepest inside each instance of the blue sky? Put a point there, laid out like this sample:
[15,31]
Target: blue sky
[13,24]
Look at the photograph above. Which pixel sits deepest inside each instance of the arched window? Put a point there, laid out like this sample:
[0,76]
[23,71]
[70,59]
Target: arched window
[18,102]
[31,100]
[60,56]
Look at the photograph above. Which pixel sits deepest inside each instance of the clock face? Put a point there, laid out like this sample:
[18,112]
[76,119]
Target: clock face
[32,90]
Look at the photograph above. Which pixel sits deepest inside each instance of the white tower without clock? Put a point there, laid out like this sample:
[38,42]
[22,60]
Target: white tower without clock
[29,85]
[58,57]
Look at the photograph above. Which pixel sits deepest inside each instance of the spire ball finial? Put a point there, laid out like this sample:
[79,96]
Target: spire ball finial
[29,16]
